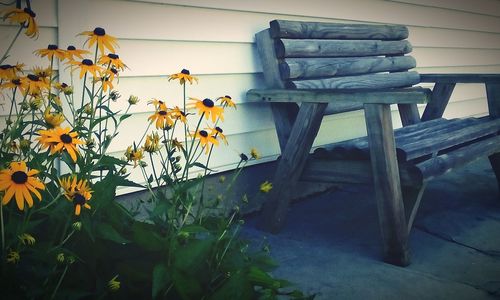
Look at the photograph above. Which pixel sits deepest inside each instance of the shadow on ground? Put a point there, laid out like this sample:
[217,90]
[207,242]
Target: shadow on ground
[331,243]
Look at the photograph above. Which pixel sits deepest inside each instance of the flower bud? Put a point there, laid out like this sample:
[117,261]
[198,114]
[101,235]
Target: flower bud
[133,100]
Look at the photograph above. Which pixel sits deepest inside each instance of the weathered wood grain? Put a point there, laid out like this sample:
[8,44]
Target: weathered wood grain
[446,162]
[303,68]
[441,94]
[371,81]
[291,164]
[411,95]
[339,48]
[318,30]
[409,114]
[493,94]
[386,180]
[461,78]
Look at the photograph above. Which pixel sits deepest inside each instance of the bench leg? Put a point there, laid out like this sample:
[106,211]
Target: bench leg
[290,166]
[387,183]
[495,164]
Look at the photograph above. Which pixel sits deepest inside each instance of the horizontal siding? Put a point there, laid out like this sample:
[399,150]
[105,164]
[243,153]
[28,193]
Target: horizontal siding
[486,7]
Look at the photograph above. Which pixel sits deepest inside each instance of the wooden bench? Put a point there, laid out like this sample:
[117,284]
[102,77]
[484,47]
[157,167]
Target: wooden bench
[313,69]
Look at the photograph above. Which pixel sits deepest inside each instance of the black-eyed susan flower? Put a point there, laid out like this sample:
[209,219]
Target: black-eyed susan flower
[15,83]
[114,284]
[35,102]
[111,73]
[207,108]
[51,51]
[176,144]
[104,41]
[87,65]
[19,182]
[254,153]
[26,239]
[183,76]
[64,88]
[205,139]
[266,186]
[217,132]
[13,257]
[133,154]
[35,84]
[105,82]
[24,17]
[227,101]
[161,117]
[178,114]
[112,60]
[53,119]
[10,71]
[42,73]
[152,143]
[157,103]
[59,139]
[72,52]
[76,191]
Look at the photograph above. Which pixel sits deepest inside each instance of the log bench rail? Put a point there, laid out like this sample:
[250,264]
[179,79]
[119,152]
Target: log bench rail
[313,69]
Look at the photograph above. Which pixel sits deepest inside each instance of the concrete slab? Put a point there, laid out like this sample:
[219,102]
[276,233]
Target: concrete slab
[331,243]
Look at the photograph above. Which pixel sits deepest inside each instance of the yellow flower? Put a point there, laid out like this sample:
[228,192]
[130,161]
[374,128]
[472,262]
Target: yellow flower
[106,83]
[53,119]
[35,102]
[157,103]
[112,60]
[205,139]
[60,257]
[34,84]
[152,143]
[114,284]
[13,257]
[133,154]
[76,191]
[207,108]
[51,51]
[27,239]
[218,132]
[161,117]
[19,181]
[15,83]
[24,17]
[227,101]
[71,52]
[266,186]
[254,153]
[98,36]
[177,144]
[85,66]
[59,139]
[9,71]
[178,114]
[63,87]
[183,76]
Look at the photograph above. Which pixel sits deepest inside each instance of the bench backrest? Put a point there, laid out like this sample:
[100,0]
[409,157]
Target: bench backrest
[312,55]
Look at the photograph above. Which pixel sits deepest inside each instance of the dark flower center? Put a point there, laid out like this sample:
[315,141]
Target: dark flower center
[219,129]
[99,31]
[114,71]
[33,77]
[19,177]
[66,138]
[208,103]
[243,157]
[203,133]
[5,67]
[16,81]
[71,48]
[78,199]
[87,62]
[186,72]
[30,12]
[64,85]
[162,113]
[113,56]
[52,47]
[229,97]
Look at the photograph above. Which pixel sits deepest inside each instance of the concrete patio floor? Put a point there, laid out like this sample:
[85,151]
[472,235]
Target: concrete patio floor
[331,243]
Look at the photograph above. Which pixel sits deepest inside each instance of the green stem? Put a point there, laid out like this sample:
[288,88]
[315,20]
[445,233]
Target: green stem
[154,169]
[186,171]
[59,282]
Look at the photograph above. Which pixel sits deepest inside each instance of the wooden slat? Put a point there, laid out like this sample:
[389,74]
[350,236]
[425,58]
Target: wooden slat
[371,81]
[293,68]
[460,78]
[441,94]
[386,180]
[446,162]
[291,165]
[493,94]
[409,114]
[339,48]
[411,95]
[317,30]
[448,138]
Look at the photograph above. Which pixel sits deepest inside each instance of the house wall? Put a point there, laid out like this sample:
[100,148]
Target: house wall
[215,41]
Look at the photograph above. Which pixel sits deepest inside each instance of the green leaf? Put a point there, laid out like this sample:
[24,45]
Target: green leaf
[107,232]
[145,235]
[187,285]
[191,257]
[193,228]
[259,277]
[200,165]
[161,279]
[237,286]
[125,116]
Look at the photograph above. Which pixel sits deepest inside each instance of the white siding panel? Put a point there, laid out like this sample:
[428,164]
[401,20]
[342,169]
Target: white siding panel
[444,57]
[360,10]
[487,7]
[434,37]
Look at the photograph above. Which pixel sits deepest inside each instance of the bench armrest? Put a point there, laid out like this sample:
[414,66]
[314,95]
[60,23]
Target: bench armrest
[460,78]
[388,96]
